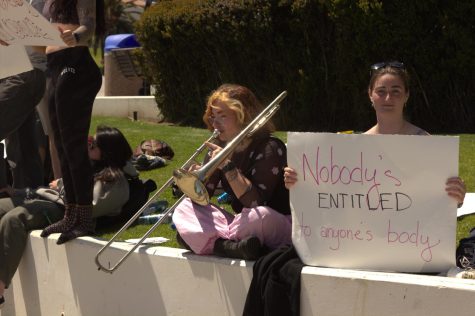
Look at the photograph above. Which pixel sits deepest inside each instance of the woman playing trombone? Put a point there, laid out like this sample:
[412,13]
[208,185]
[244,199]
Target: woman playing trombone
[252,176]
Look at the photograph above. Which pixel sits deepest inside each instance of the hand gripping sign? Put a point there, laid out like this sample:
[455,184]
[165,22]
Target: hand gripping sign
[374,202]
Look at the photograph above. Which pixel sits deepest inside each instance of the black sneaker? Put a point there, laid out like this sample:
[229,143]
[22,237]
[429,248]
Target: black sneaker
[2,301]
[249,248]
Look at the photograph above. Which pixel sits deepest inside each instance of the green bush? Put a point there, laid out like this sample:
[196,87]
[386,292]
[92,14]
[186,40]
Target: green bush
[319,51]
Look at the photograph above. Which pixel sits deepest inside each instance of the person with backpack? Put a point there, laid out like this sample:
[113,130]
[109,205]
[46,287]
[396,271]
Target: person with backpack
[29,209]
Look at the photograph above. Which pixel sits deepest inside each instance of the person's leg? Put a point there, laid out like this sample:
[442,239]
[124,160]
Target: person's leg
[271,227]
[43,112]
[31,164]
[76,90]
[55,68]
[200,226]
[89,79]
[23,155]
[14,228]
[6,205]
[19,95]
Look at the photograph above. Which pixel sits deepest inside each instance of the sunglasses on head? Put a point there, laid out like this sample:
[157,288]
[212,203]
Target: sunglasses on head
[392,64]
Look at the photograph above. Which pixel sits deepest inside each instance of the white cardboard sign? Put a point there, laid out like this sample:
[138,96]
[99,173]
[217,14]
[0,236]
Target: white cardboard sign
[374,202]
[13,60]
[21,24]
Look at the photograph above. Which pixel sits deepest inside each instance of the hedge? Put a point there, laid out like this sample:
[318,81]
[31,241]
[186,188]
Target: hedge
[319,51]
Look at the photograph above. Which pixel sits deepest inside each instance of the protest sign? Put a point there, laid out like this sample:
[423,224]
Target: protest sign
[375,202]
[20,23]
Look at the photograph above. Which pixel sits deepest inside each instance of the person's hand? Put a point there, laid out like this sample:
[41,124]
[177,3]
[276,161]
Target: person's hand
[3,43]
[68,37]
[455,188]
[290,177]
[194,167]
[53,184]
[8,190]
[215,149]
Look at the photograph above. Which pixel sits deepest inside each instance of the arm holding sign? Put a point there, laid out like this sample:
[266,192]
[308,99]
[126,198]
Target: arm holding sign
[290,177]
[456,189]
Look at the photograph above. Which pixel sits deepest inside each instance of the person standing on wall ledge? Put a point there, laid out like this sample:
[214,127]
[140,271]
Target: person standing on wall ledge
[75,81]
[34,208]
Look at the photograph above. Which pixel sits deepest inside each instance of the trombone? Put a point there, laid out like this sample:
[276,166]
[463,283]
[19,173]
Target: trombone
[167,184]
[192,183]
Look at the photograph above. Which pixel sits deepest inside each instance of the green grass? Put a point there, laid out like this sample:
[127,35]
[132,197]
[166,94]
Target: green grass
[185,140]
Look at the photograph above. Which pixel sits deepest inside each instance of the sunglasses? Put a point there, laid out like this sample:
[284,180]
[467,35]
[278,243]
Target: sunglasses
[392,64]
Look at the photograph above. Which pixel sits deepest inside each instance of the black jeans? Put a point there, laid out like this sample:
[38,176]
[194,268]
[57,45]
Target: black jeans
[19,95]
[24,156]
[75,81]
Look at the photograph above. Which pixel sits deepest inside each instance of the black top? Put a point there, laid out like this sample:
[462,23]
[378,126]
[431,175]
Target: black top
[263,163]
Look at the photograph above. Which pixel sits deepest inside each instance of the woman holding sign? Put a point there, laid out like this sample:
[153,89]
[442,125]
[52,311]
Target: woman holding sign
[75,81]
[252,177]
[388,91]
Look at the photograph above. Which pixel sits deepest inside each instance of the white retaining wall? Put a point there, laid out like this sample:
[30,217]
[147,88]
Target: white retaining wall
[64,280]
[121,106]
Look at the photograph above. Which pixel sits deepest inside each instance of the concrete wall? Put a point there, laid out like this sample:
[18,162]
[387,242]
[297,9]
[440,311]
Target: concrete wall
[145,106]
[64,280]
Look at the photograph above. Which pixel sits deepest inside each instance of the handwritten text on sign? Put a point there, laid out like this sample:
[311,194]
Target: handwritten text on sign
[373,201]
[20,23]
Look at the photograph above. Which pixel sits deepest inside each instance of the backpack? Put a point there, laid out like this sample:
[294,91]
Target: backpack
[154,147]
[465,254]
[139,192]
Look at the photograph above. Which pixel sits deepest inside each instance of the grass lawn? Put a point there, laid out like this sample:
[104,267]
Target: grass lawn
[185,140]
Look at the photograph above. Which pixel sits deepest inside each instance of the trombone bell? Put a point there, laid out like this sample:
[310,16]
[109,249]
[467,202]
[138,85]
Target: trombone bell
[190,184]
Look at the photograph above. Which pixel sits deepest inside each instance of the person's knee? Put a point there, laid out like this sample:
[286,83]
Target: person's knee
[13,222]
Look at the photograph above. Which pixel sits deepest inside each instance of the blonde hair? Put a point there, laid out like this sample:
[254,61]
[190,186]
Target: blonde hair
[239,99]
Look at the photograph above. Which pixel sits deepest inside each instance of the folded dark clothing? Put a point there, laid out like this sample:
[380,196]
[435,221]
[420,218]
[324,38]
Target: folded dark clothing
[275,285]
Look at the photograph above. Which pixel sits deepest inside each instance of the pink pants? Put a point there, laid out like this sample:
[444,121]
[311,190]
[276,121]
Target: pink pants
[200,226]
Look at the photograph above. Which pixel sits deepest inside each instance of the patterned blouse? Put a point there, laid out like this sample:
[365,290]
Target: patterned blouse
[262,163]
